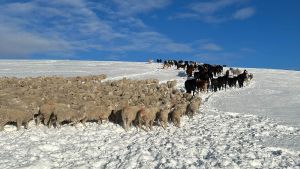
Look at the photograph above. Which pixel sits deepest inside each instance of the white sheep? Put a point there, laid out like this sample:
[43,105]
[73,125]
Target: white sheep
[194,106]
[171,84]
[164,114]
[178,112]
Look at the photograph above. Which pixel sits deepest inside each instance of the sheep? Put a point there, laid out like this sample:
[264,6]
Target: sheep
[45,111]
[129,114]
[14,115]
[147,115]
[151,81]
[64,113]
[171,84]
[178,111]
[187,96]
[193,106]
[98,113]
[164,114]
[88,90]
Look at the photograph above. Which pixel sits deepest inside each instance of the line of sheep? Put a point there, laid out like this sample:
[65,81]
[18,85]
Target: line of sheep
[55,101]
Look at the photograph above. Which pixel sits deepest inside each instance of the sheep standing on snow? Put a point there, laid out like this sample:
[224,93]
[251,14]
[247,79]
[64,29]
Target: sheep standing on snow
[45,112]
[129,114]
[147,116]
[164,115]
[20,117]
[171,84]
[179,110]
[97,113]
[193,107]
[64,113]
[84,99]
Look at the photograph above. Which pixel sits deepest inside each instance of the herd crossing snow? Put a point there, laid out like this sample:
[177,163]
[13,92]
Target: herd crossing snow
[229,131]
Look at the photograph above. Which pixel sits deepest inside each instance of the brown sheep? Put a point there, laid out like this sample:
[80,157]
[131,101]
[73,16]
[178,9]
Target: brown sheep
[129,114]
[97,113]
[147,116]
[64,113]
[14,115]
[45,112]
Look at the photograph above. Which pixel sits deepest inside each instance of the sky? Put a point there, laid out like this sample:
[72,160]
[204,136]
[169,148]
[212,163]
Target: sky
[245,33]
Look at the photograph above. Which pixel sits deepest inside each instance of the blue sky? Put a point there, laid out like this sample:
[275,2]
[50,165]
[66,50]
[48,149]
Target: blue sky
[249,33]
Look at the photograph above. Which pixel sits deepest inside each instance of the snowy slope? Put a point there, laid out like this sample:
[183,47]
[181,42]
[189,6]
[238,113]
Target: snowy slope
[235,128]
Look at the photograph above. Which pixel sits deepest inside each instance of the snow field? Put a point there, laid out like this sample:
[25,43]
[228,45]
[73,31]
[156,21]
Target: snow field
[217,137]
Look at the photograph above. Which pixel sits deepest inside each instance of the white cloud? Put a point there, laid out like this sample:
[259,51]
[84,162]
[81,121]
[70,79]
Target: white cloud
[152,42]
[14,42]
[216,11]
[132,7]
[213,6]
[244,13]
[67,26]
[211,47]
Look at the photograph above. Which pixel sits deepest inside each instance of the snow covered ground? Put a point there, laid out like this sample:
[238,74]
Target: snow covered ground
[254,127]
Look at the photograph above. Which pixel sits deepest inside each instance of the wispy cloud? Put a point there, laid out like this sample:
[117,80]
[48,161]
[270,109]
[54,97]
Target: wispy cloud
[244,13]
[250,50]
[211,47]
[132,7]
[212,7]
[67,26]
[216,11]
[14,42]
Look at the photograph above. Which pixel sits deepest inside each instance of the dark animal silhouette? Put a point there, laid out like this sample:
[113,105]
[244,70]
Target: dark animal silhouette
[241,78]
[190,85]
[189,70]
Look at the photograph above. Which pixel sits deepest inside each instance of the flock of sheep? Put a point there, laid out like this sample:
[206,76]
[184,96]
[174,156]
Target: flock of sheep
[55,101]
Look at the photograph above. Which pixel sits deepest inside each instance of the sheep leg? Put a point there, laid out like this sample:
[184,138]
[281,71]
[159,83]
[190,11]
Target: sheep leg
[2,126]
[73,123]
[18,125]
[144,128]
[176,122]
[58,125]
[104,120]
[37,119]
[26,125]
[83,122]
[151,124]
[46,119]
[126,125]
[164,124]
[147,123]
[190,114]
[139,124]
